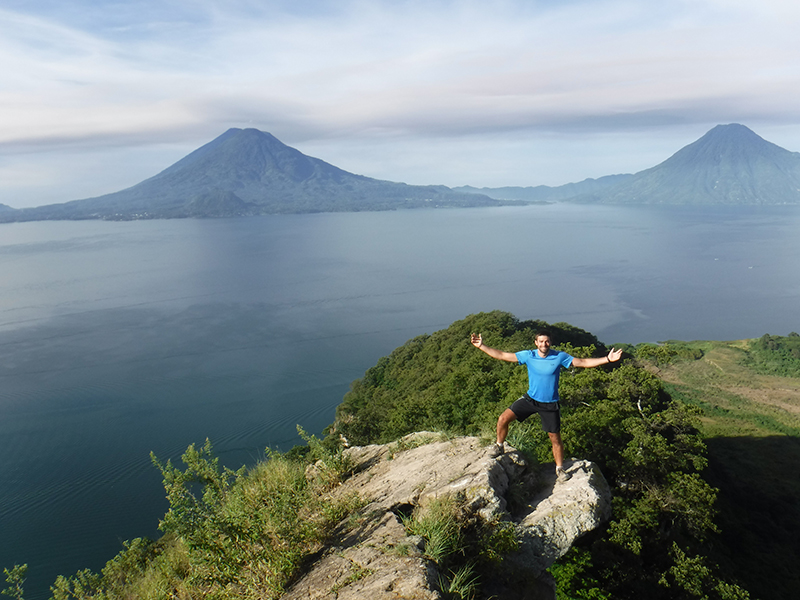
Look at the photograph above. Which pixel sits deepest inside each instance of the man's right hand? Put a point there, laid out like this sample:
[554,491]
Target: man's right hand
[477,341]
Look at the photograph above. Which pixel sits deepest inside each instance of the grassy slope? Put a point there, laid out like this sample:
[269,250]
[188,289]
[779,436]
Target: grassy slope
[752,425]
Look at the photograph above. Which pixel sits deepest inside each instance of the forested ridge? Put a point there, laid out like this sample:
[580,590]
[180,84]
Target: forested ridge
[619,416]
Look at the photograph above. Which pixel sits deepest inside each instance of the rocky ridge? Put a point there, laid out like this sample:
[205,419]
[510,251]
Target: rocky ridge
[376,559]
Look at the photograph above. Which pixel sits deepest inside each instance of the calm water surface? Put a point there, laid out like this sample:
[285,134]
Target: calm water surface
[121,338]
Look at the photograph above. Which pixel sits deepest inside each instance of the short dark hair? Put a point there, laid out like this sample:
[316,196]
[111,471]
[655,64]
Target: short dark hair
[542,332]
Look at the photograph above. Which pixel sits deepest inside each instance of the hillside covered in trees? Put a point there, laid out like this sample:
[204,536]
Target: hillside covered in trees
[648,446]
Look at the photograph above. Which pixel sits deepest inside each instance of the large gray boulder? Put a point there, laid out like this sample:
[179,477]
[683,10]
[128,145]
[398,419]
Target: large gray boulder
[560,513]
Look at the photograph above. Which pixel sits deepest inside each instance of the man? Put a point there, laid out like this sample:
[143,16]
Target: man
[544,366]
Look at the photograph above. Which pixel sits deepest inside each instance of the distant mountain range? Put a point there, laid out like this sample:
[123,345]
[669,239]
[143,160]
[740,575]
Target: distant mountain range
[729,165]
[544,193]
[248,172]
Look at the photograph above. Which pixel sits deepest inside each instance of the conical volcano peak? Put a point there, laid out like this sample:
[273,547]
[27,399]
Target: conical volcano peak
[732,131]
[730,164]
[735,143]
[733,136]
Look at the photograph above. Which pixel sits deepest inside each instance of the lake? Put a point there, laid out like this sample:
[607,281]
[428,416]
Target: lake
[122,338]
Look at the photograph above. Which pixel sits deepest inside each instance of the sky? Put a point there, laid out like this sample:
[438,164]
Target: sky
[96,96]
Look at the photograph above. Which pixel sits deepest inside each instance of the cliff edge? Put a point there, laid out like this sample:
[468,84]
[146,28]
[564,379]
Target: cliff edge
[374,557]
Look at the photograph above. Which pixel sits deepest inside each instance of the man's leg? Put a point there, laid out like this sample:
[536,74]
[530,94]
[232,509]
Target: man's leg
[502,425]
[502,431]
[558,456]
[558,449]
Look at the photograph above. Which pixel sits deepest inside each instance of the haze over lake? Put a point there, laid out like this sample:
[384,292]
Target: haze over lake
[118,338]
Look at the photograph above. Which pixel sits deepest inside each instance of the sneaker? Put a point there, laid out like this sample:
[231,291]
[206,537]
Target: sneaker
[496,450]
[562,475]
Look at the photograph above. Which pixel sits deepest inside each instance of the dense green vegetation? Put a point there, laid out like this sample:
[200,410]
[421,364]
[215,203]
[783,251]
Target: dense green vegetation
[647,444]
[667,353]
[227,534]
[441,382]
[776,355]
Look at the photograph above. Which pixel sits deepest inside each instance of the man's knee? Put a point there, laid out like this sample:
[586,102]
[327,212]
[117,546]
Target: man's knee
[506,417]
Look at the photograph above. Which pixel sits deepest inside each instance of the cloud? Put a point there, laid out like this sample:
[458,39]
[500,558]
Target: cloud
[417,74]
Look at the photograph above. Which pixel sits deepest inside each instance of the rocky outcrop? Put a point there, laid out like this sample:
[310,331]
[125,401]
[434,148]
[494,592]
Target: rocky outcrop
[374,558]
[560,513]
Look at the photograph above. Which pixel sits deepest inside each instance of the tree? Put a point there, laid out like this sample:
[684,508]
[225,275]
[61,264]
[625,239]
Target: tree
[15,579]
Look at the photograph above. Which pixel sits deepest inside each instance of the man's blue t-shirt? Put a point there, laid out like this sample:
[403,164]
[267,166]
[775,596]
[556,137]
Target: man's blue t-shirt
[543,373]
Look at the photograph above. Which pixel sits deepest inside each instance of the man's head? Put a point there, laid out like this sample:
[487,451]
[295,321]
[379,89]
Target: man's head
[543,342]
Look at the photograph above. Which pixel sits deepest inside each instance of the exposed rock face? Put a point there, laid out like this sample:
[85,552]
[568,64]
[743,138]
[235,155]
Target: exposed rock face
[561,513]
[377,560]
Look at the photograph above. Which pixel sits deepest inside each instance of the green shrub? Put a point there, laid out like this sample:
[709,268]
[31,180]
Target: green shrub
[15,578]
[227,533]
[666,353]
[775,355]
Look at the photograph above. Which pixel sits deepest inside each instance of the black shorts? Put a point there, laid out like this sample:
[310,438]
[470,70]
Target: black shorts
[550,412]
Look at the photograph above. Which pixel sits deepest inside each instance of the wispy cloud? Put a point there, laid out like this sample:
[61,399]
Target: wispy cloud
[391,81]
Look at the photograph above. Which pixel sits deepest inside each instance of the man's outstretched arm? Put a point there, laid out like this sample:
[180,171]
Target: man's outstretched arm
[477,341]
[588,363]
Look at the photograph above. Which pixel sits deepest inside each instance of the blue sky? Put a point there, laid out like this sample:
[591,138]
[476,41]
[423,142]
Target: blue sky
[97,95]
